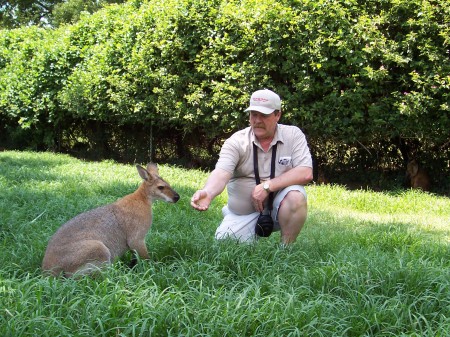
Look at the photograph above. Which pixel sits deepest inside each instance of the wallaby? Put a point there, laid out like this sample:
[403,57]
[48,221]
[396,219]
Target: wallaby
[99,236]
[419,178]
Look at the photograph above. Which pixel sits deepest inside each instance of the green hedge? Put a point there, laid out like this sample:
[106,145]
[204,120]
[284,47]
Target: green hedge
[364,79]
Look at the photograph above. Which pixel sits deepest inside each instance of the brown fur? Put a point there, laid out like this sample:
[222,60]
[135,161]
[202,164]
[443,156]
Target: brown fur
[321,177]
[419,178]
[99,236]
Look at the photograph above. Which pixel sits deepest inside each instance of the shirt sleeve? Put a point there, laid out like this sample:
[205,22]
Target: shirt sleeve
[229,155]
[300,151]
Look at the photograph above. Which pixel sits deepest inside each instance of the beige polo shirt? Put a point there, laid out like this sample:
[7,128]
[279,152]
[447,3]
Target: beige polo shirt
[236,157]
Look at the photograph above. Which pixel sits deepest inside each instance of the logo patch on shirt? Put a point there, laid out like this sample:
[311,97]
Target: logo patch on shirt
[284,161]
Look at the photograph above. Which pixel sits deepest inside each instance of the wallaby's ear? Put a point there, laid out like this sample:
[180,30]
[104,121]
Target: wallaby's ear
[142,172]
[152,169]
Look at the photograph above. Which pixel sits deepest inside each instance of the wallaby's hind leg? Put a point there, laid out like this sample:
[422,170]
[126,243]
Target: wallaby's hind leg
[88,256]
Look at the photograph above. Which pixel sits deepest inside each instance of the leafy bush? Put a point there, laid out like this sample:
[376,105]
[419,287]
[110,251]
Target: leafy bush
[366,80]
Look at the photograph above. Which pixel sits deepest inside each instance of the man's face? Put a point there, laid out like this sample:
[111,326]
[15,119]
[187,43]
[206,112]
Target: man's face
[264,126]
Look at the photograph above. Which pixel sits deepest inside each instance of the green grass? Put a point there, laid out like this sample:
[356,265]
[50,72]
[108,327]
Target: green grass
[366,263]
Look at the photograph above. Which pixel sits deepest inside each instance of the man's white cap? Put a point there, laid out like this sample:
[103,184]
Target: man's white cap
[264,101]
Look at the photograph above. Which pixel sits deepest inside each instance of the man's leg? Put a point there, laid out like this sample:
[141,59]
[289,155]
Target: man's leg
[292,216]
[291,204]
[240,227]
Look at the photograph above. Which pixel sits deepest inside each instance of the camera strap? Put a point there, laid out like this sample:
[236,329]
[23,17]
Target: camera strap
[272,170]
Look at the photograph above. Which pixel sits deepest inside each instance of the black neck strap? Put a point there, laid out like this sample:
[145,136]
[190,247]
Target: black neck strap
[272,169]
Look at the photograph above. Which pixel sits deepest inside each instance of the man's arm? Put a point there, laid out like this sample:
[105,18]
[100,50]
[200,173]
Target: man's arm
[215,185]
[299,175]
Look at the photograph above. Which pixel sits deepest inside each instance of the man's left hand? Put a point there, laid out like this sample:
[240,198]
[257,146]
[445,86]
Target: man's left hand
[259,195]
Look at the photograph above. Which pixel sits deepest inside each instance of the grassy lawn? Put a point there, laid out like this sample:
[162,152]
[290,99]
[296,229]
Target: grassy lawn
[366,263]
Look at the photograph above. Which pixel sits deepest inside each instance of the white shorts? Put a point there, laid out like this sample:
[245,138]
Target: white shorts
[242,227]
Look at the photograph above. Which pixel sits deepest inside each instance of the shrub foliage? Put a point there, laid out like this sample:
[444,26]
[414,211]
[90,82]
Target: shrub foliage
[368,81]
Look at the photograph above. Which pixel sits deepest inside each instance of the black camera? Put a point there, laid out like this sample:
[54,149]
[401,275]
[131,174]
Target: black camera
[264,225]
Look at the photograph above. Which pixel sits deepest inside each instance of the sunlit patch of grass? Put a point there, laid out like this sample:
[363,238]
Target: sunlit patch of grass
[419,211]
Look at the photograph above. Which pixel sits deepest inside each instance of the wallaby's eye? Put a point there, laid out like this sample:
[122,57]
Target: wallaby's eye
[160,188]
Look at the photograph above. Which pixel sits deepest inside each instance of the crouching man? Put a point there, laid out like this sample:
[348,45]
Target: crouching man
[264,167]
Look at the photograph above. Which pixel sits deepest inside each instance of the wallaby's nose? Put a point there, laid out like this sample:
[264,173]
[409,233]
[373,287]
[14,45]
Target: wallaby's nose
[176,197]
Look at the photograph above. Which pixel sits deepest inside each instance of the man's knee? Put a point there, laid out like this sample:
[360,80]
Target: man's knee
[294,201]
